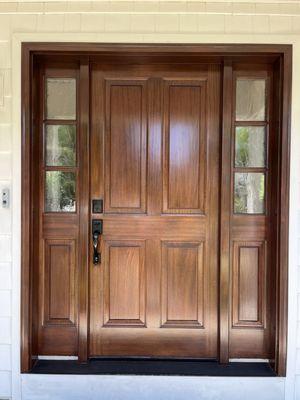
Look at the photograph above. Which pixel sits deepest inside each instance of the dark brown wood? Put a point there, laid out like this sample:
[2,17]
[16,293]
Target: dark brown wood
[225,213]
[26,218]
[283,217]
[84,208]
[248,284]
[126,128]
[182,300]
[124,283]
[257,226]
[184,179]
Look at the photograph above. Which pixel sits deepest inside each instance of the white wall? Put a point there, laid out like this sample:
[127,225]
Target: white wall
[135,21]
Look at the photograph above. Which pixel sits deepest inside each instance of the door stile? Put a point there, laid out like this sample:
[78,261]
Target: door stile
[212,202]
[225,213]
[154,198]
[84,209]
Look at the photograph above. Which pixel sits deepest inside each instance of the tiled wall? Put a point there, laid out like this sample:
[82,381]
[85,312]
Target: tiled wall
[123,20]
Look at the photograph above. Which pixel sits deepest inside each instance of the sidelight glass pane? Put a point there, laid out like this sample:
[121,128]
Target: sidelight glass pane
[61,98]
[250,146]
[249,193]
[250,99]
[60,191]
[61,145]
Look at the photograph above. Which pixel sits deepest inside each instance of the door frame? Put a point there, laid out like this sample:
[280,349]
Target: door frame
[283,56]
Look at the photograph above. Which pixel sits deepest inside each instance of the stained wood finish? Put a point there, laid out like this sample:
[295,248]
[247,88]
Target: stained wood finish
[185,149]
[142,224]
[125,283]
[248,276]
[225,212]
[182,287]
[155,265]
[60,300]
[125,125]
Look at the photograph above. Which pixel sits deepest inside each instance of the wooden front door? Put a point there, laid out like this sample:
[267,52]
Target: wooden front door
[155,137]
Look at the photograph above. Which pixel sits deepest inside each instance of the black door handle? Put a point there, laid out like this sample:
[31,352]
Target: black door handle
[97,225]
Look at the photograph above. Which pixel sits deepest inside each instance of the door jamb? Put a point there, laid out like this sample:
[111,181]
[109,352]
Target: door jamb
[284,53]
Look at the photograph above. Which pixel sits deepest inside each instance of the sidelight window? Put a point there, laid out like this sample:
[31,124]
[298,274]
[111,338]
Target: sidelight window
[60,154]
[61,98]
[250,155]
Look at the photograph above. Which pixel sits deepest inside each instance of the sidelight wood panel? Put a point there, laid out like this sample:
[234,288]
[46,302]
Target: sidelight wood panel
[124,283]
[182,285]
[59,292]
[126,139]
[184,146]
[248,293]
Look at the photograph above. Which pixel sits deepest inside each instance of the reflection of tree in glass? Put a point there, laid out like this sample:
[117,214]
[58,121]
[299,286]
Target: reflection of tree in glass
[249,193]
[61,145]
[250,146]
[60,191]
[242,147]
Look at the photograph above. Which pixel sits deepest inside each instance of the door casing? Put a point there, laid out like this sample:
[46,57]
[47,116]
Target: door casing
[282,56]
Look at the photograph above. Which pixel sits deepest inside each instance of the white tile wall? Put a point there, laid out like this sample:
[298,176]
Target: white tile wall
[5,276]
[5,331]
[5,384]
[149,20]
[5,357]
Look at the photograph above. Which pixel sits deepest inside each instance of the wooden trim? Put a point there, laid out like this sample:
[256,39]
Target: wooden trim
[225,215]
[81,51]
[283,214]
[26,212]
[217,49]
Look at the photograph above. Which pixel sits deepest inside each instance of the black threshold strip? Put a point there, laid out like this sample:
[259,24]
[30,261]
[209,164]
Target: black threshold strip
[116,366]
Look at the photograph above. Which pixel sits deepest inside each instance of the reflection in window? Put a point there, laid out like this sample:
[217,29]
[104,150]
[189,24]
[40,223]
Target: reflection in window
[60,191]
[61,145]
[61,98]
[249,193]
[250,146]
[250,99]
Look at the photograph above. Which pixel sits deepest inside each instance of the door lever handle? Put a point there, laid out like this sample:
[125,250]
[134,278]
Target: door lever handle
[96,232]
[96,255]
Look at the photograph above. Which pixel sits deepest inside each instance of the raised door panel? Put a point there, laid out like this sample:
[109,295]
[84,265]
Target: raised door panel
[125,146]
[124,283]
[248,284]
[182,284]
[184,146]
[59,291]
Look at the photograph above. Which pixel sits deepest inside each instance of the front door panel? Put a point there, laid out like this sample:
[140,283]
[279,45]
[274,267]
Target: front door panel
[155,164]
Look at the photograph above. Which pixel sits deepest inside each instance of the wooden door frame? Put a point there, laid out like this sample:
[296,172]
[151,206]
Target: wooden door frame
[226,52]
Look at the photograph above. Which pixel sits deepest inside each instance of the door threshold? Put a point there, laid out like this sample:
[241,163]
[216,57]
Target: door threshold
[153,366]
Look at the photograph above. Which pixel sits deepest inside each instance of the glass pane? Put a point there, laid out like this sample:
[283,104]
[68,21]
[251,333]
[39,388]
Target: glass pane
[60,191]
[61,98]
[250,100]
[249,193]
[61,145]
[250,146]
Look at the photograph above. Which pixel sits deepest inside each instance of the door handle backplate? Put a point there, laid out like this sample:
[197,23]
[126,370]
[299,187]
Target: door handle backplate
[97,228]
